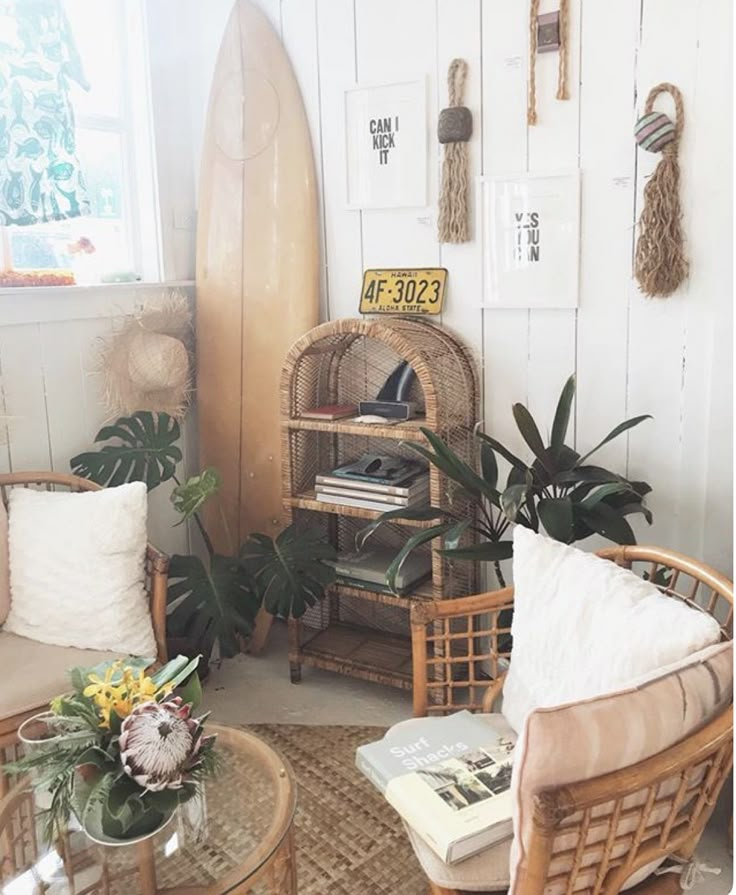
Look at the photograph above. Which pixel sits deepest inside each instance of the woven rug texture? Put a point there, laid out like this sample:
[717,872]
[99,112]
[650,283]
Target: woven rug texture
[349,840]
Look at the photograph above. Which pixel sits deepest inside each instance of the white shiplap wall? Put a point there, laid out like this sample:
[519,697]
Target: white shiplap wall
[50,393]
[670,358]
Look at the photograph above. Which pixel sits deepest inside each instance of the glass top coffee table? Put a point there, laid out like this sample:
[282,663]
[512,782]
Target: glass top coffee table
[237,837]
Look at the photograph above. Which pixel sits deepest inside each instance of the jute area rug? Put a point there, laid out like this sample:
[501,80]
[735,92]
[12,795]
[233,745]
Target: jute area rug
[349,840]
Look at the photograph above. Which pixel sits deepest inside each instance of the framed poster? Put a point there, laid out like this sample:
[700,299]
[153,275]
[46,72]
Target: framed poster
[531,240]
[386,133]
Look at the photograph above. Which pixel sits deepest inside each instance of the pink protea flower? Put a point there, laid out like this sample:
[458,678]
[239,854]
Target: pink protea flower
[160,743]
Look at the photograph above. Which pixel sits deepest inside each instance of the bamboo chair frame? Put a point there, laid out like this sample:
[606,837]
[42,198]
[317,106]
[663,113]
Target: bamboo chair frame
[459,647]
[156,581]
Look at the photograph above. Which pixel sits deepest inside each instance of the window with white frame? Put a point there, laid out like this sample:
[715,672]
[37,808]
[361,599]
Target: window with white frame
[118,239]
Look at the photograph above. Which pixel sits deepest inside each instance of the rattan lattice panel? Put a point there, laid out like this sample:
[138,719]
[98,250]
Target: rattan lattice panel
[347,361]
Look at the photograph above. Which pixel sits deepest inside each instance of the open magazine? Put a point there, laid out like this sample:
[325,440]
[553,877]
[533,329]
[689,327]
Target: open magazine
[448,778]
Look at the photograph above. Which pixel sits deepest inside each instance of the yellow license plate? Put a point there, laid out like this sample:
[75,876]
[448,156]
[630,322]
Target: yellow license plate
[403,291]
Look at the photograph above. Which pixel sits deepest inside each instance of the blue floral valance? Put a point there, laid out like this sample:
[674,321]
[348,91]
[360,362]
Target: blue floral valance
[40,177]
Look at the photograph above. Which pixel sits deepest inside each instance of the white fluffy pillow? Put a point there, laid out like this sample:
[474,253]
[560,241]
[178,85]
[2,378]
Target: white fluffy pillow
[584,626]
[76,569]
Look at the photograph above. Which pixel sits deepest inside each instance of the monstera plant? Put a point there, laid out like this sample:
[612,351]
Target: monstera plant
[215,598]
[559,491]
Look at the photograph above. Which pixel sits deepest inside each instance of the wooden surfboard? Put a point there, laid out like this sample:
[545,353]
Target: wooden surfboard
[257,268]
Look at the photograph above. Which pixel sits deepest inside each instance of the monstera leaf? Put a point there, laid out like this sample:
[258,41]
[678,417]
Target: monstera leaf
[145,451]
[291,571]
[211,604]
[191,496]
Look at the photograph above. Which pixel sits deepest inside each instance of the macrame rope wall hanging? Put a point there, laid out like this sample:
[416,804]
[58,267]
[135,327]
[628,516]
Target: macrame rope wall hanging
[454,129]
[660,265]
[547,33]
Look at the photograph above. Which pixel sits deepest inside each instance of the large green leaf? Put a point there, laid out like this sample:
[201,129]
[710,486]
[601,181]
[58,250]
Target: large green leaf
[562,416]
[604,491]
[221,601]
[445,459]
[189,497]
[614,433]
[419,514]
[503,451]
[530,433]
[556,515]
[513,498]
[423,536]
[292,571]
[489,466]
[607,521]
[487,551]
[586,474]
[145,451]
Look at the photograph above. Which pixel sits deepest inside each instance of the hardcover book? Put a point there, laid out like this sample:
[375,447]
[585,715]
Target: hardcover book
[380,468]
[410,486]
[449,778]
[370,564]
[367,504]
[330,412]
[389,499]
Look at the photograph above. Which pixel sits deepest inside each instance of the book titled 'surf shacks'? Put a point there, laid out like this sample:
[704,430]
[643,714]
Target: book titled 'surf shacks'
[448,778]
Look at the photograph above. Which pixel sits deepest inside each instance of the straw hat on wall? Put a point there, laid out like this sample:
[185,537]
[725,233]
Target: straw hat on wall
[146,364]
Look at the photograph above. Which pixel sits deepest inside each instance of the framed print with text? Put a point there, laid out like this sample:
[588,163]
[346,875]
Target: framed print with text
[386,133]
[530,226]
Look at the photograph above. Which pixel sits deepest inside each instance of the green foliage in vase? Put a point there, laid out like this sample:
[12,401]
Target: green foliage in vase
[214,599]
[94,769]
[558,491]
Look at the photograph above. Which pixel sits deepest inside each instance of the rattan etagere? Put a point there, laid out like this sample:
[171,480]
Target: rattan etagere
[359,632]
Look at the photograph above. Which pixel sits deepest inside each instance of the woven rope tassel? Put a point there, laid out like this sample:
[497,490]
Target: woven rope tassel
[563,91]
[454,130]
[660,265]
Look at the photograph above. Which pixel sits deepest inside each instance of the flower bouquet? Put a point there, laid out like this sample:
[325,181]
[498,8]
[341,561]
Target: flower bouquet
[120,752]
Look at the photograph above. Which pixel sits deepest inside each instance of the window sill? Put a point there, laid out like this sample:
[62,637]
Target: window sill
[41,304]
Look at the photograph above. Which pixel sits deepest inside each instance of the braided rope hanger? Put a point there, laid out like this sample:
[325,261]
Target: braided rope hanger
[564,53]
[454,129]
[660,265]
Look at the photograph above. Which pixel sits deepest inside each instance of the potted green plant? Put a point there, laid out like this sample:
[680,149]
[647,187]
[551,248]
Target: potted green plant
[213,599]
[557,491]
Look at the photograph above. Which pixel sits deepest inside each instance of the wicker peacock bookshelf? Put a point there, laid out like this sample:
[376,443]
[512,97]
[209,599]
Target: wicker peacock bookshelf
[359,632]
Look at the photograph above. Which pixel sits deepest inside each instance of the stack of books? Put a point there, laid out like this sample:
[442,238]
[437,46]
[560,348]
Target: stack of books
[375,482]
[366,569]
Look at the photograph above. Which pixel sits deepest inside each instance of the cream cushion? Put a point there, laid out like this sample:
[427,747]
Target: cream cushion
[77,569]
[486,871]
[33,673]
[583,740]
[584,626]
[4,565]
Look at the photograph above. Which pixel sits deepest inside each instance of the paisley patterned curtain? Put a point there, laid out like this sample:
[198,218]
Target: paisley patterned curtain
[40,177]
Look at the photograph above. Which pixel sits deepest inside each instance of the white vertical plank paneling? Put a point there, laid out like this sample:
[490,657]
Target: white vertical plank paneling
[25,399]
[343,237]
[73,388]
[398,42]
[607,158]
[299,35]
[657,326]
[459,35]
[505,332]
[52,393]
[706,479]
[554,146]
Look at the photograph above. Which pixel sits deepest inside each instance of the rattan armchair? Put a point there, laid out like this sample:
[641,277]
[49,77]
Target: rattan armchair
[459,644]
[156,576]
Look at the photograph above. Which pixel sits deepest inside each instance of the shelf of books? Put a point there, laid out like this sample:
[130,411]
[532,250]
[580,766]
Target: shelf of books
[343,467]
